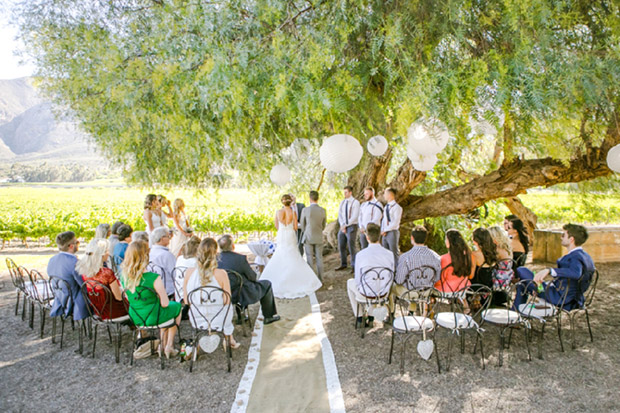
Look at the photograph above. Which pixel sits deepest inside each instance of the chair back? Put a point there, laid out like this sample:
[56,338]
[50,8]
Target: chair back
[421,277]
[62,292]
[375,282]
[425,305]
[150,297]
[472,301]
[158,269]
[98,298]
[208,307]
[40,289]
[520,262]
[236,285]
[589,293]
[178,276]
[14,273]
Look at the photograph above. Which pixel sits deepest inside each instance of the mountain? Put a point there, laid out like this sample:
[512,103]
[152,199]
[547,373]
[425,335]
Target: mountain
[30,131]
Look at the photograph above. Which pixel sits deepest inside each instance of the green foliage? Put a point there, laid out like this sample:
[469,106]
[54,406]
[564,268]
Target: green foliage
[50,173]
[182,92]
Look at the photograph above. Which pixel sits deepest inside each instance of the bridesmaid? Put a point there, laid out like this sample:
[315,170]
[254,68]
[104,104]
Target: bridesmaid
[164,202]
[182,229]
[152,214]
[520,241]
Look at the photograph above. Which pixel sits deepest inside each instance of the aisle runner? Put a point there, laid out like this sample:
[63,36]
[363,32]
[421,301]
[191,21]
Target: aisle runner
[291,366]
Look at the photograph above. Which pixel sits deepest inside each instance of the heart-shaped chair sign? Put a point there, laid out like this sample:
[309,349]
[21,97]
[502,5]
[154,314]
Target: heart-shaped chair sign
[209,344]
[380,313]
[425,349]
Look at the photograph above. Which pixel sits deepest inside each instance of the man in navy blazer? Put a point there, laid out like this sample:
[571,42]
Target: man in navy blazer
[62,265]
[253,290]
[574,271]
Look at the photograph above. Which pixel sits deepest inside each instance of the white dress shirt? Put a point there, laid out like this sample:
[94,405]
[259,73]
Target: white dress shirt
[370,211]
[373,256]
[395,212]
[349,212]
[162,257]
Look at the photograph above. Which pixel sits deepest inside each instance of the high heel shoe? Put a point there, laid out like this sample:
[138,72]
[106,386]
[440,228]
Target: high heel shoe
[232,346]
[171,352]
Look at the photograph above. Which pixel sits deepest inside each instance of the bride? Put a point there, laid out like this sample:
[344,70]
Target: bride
[290,275]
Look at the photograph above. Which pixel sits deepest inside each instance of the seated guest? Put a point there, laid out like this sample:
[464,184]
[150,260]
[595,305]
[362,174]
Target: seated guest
[90,267]
[507,220]
[62,265]
[162,259]
[485,257]
[141,306]
[253,289]
[373,256]
[207,274]
[114,237]
[103,231]
[140,236]
[124,235]
[519,241]
[186,260]
[504,272]
[457,266]
[410,273]
[574,271]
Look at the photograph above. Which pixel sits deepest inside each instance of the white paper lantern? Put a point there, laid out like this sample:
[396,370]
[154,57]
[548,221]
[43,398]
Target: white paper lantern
[613,158]
[428,136]
[340,153]
[280,175]
[377,145]
[421,162]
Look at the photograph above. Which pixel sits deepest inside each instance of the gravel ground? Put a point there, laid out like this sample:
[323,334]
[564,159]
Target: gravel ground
[585,379]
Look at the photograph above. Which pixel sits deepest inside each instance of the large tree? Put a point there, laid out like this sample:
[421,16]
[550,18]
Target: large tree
[179,91]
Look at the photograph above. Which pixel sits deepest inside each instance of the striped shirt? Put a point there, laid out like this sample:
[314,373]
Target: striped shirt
[416,258]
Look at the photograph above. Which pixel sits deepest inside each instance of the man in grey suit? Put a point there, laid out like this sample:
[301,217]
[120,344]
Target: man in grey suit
[312,223]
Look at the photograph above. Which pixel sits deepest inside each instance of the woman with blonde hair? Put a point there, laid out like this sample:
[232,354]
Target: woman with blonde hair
[504,271]
[153,217]
[206,274]
[90,267]
[182,230]
[148,309]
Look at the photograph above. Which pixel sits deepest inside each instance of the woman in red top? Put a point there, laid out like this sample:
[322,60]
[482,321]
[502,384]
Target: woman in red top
[90,267]
[457,266]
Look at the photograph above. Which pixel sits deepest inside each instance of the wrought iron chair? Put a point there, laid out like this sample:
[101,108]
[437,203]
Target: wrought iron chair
[42,294]
[465,308]
[146,295]
[178,277]
[206,322]
[536,308]
[375,283]
[165,277]
[18,283]
[406,326]
[62,293]
[506,319]
[98,298]
[243,312]
[588,298]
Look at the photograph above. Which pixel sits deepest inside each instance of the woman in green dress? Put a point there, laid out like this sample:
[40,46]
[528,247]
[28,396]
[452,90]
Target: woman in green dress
[148,309]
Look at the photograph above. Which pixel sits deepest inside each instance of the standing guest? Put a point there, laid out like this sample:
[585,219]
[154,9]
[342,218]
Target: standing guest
[390,223]
[457,266]
[574,271]
[374,256]
[182,229]
[253,289]
[371,210]
[207,274]
[313,221]
[186,260]
[103,231]
[162,259]
[485,257]
[507,220]
[411,273]
[90,266]
[141,305]
[62,265]
[163,203]
[348,217]
[520,241]
[124,235]
[153,217]
[298,208]
[140,236]
[114,237]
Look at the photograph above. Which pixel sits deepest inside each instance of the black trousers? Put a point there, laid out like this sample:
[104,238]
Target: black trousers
[267,302]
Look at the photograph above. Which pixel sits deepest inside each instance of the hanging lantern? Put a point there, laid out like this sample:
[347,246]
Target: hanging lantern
[340,153]
[377,145]
[421,162]
[280,175]
[428,136]
[613,158]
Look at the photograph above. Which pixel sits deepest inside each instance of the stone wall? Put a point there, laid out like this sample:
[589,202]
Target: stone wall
[603,244]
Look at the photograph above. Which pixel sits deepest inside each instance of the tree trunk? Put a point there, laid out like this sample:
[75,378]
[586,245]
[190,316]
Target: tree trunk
[525,214]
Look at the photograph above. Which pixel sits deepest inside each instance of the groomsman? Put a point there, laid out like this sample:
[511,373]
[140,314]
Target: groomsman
[370,211]
[313,221]
[348,218]
[297,208]
[390,223]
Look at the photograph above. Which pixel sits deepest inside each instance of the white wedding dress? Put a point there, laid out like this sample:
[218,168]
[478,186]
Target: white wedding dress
[289,273]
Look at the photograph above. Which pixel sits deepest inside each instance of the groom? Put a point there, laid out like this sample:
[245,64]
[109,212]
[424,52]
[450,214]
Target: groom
[312,223]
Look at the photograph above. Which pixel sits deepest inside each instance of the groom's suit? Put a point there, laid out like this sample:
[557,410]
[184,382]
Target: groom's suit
[312,223]
[298,210]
